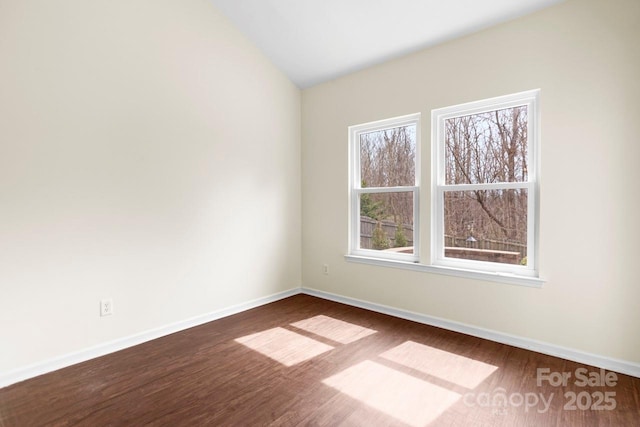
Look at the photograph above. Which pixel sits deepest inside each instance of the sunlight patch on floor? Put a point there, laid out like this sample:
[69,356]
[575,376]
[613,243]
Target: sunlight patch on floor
[450,367]
[401,396]
[333,329]
[284,346]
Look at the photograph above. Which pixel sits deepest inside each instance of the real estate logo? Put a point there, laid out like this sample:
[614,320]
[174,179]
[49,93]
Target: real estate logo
[582,377]
[586,400]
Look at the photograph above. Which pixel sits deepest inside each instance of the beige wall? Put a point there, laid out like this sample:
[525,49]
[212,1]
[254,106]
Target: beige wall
[583,55]
[148,153]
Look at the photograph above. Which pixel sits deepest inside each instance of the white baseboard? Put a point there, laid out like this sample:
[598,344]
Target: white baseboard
[51,365]
[620,366]
[21,374]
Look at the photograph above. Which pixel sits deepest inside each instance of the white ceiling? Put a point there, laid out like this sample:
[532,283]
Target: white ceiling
[313,41]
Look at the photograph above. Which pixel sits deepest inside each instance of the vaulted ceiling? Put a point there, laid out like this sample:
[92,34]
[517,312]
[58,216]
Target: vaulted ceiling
[313,41]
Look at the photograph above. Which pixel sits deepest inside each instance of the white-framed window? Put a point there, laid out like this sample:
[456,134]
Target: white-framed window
[485,185]
[484,191]
[384,189]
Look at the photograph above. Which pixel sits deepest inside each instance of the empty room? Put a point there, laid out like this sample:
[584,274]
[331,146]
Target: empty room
[319,212]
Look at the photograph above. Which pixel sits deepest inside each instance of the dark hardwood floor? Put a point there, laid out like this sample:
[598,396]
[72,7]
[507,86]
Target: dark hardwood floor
[307,361]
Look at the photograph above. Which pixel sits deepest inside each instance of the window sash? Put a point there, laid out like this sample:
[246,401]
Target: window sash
[354,141]
[438,120]
[356,189]
[355,225]
[438,247]
[385,189]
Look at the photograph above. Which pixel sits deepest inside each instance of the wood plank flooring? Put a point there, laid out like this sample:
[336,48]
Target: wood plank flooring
[307,361]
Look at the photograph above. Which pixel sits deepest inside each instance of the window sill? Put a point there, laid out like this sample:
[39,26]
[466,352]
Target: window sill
[511,279]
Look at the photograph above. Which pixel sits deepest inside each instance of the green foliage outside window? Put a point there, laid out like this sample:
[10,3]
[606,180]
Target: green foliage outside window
[380,239]
[400,238]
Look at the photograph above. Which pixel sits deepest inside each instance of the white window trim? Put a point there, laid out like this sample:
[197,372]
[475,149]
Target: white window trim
[438,186]
[355,189]
[511,279]
[524,276]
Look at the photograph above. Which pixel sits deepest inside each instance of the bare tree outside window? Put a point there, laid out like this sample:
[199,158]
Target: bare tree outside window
[487,148]
[387,159]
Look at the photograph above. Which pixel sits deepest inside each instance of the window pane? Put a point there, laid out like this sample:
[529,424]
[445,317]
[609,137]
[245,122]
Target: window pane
[387,157]
[487,147]
[486,225]
[386,221]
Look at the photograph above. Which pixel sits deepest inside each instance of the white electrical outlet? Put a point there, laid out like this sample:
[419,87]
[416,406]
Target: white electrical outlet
[106,307]
[325,269]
